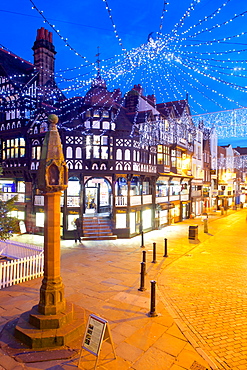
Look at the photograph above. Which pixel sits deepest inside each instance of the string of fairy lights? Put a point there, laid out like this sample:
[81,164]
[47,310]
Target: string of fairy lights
[173,65]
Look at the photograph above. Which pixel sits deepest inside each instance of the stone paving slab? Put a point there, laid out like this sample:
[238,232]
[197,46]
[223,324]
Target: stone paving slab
[103,277]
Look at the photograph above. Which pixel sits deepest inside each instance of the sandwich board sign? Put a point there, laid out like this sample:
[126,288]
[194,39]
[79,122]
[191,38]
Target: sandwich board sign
[97,332]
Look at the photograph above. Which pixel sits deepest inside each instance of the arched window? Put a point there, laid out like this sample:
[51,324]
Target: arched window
[127,155]
[96,113]
[134,155]
[119,155]
[119,167]
[138,156]
[78,152]
[69,152]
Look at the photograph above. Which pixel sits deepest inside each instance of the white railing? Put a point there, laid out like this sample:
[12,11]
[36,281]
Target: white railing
[173,198]
[39,200]
[17,271]
[120,201]
[161,199]
[6,196]
[135,200]
[196,193]
[184,197]
[27,262]
[147,199]
[13,249]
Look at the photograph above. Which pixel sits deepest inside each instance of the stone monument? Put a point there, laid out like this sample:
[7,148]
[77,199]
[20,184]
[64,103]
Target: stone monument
[54,321]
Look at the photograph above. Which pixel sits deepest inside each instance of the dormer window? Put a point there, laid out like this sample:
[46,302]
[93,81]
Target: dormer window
[87,124]
[105,114]
[96,113]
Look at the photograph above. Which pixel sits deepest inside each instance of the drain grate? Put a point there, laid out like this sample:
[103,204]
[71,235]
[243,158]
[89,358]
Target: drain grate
[197,366]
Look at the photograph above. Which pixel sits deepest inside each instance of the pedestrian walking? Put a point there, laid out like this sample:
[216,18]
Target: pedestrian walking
[78,229]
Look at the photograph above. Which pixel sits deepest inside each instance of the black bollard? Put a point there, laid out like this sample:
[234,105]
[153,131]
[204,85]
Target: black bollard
[154,253]
[152,312]
[143,256]
[144,260]
[143,272]
[165,251]
[142,240]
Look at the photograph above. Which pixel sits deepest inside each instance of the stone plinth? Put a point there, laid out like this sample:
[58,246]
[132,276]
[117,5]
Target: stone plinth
[49,331]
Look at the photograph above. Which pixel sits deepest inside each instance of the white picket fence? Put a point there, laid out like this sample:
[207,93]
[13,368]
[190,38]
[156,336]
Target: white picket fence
[28,263]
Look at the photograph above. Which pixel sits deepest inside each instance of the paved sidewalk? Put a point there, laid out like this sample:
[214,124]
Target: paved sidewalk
[206,289]
[103,277]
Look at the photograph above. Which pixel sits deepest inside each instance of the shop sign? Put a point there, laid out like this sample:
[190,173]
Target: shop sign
[97,181]
[97,332]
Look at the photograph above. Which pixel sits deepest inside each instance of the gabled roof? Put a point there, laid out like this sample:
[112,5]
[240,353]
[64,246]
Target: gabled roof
[242,151]
[15,67]
[175,108]
[124,121]
[139,117]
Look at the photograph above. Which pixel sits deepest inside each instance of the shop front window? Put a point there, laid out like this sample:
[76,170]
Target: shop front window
[73,192]
[121,220]
[146,219]
[121,187]
[161,189]
[145,188]
[132,220]
[135,188]
[175,188]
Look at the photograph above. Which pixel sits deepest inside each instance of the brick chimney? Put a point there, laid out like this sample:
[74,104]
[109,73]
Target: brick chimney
[44,57]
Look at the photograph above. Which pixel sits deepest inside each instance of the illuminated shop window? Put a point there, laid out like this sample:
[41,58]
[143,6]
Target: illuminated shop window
[147,219]
[121,220]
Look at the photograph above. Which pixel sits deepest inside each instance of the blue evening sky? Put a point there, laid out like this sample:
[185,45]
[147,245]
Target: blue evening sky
[213,76]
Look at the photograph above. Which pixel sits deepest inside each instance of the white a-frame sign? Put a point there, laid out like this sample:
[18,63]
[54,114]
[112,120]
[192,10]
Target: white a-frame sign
[97,332]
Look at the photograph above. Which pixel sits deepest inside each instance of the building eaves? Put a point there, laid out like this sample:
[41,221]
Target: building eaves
[18,70]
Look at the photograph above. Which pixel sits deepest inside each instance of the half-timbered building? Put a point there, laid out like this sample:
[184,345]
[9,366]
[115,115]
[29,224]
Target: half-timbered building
[129,159]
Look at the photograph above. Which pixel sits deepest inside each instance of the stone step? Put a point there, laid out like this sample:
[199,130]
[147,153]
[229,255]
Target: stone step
[107,237]
[57,337]
[97,228]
